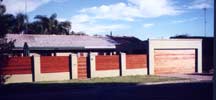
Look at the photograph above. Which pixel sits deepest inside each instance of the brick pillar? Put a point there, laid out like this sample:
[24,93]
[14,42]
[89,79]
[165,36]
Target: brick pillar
[74,66]
[92,65]
[122,64]
[36,68]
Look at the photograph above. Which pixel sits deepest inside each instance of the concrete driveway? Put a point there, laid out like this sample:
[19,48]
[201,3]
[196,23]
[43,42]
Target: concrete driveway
[193,77]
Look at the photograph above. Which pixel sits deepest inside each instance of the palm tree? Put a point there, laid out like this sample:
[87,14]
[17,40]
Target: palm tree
[43,21]
[53,24]
[2,9]
[11,24]
[64,27]
[43,25]
[7,23]
[35,28]
[50,25]
[20,23]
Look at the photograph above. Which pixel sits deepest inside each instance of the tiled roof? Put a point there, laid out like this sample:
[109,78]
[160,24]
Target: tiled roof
[61,41]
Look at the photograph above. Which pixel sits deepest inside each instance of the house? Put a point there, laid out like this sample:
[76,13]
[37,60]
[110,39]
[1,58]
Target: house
[130,45]
[164,56]
[61,45]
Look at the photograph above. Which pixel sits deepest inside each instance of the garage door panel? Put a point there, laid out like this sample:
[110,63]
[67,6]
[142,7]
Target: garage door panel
[173,70]
[174,61]
[175,56]
[174,52]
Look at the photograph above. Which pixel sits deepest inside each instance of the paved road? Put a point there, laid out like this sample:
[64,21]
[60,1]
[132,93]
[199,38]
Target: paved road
[124,91]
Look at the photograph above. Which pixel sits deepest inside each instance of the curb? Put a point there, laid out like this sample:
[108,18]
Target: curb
[174,82]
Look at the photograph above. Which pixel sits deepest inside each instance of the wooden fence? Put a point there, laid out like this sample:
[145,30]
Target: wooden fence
[107,62]
[51,64]
[136,61]
[42,68]
[16,65]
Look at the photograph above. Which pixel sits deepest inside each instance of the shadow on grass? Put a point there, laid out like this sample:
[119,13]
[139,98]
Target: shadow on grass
[107,91]
[46,87]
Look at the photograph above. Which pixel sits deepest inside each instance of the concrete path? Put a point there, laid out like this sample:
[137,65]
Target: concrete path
[193,77]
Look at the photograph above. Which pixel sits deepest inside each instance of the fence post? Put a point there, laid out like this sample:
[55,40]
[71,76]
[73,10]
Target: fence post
[122,64]
[92,64]
[150,59]
[36,68]
[199,59]
[73,66]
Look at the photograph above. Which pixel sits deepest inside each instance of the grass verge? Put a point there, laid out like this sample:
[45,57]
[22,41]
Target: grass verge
[124,79]
[81,84]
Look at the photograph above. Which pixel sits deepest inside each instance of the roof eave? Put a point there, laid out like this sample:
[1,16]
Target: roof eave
[68,48]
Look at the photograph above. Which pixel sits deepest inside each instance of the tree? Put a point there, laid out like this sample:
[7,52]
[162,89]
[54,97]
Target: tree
[5,49]
[11,23]
[43,22]
[43,25]
[53,23]
[64,27]
[20,23]
[50,25]
[180,36]
[81,33]
[6,23]
[35,28]
[2,9]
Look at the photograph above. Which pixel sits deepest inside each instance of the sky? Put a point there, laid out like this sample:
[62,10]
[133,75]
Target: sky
[144,19]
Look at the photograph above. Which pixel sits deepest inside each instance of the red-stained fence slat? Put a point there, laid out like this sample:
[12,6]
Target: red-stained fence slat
[107,62]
